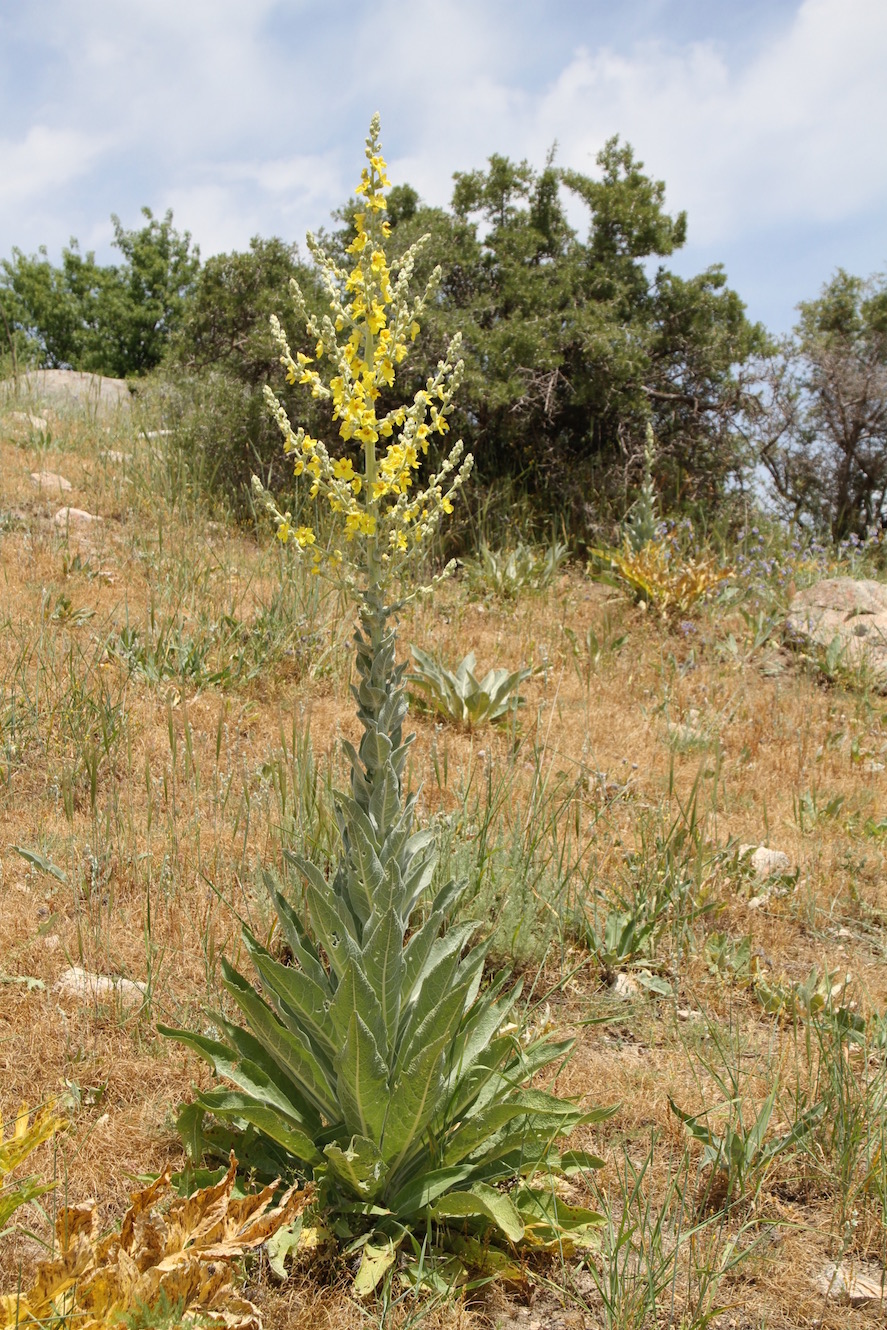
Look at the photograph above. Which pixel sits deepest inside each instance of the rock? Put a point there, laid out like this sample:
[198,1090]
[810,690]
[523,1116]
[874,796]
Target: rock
[71,387]
[852,610]
[686,736]
[115,455]
[765,862]
[856,1284]
[625,987]
[25,418]
[50,480]
[69,518]
[87,987]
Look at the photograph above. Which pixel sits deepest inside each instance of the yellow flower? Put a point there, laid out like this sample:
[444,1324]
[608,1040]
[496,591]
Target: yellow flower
[304,536]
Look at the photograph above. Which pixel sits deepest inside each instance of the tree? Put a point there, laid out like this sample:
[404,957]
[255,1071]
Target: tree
[820,425]
[223,353]
[113,320]
[573,345]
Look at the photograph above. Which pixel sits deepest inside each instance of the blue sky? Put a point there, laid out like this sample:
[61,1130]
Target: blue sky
[767,119]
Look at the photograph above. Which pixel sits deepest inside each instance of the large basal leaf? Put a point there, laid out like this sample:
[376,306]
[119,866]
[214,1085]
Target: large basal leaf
[288,1052]
[425,1187]
[375,1262]
[481,1202]
[258,1080]
[548,1219]
[415,1100]
[266,1117]
[308,1001]
[362,1085]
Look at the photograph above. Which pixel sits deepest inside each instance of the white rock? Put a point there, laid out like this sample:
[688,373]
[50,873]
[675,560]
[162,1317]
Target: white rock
[856,1284]
[85,986]
[49,480]
[623,986]
[686,735]
[764,861]
[853,610]
[25,418]
[70,387]
[68,518]
[115,455]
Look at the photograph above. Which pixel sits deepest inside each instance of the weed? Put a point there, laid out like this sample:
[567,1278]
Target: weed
[459,696]
[660,574]
[507,573]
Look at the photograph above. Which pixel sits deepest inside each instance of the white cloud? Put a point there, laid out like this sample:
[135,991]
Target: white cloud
[800,133]
[44,160]
[250,118]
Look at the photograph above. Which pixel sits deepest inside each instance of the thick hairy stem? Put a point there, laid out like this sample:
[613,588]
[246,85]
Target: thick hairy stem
[381,704]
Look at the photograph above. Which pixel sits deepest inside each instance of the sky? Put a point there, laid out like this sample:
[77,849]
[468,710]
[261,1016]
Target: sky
[766,119]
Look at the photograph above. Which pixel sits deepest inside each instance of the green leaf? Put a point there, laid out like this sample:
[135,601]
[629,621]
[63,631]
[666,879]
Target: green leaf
[384,970]
[375,1262]
[251,1077]
[367,873]
[288,1052]
[331,925]
[415,1099]
[266,1117]
[45,865]
[547,1218]
[375,749]
[303,949]
[360,1167]
[362,1084]
[420,1191]
[484,1202]
[355,993]
[306,999]
[21,1193]
[281,1244]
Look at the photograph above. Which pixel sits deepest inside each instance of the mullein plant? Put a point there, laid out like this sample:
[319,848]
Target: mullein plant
[379,1060]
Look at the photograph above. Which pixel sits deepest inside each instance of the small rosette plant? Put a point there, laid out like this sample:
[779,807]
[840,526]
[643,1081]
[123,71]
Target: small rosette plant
[375,1057]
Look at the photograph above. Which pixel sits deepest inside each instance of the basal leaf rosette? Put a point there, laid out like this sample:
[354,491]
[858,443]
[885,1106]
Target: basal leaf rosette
[370,481]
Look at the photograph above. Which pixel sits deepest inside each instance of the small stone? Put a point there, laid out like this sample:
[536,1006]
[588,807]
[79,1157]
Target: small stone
[623,986]
[25,418]
[115,455]
[49,480]
[68,518]
[873,767]
[856,1284]
[686,736]
[87,987]
[764,861]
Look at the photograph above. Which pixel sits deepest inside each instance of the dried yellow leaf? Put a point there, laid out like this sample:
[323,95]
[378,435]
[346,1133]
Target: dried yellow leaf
[182,1258]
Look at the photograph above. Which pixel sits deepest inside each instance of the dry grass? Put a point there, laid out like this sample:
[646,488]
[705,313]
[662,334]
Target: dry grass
[159,799]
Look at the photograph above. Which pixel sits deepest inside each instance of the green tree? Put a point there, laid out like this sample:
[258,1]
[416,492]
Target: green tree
[223,353]
[572,346]
[115,319]
[820,424]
